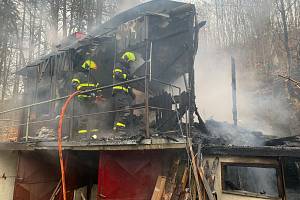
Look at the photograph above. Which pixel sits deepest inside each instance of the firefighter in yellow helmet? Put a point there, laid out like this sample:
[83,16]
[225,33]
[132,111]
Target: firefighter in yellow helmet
[86,103]
[123,95]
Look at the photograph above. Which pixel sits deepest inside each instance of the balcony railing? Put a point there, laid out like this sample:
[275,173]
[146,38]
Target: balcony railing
[27,126]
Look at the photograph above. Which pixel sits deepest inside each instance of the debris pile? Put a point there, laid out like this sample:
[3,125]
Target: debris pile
[176,185]
[223,133]
[45,132]
[293,141]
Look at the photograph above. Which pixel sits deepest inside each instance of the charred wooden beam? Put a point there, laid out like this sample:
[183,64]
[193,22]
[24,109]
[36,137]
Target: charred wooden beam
[265,151]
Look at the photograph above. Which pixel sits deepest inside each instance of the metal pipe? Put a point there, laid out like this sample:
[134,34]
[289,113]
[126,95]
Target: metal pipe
[90,114]
[10,120]
[159,108]
[73,102]
[27,124]
[150,63]
[116,46]
[71,121]
[64,97]
[147,79]
[233,85]
[78,116]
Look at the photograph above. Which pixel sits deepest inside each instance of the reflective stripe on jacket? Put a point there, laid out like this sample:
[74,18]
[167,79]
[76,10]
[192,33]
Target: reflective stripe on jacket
[86,86]
[120,74]
[119,87]
[82,82]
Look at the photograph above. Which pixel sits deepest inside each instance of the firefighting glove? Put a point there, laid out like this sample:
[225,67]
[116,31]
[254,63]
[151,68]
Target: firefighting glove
[93,95]
[74,85]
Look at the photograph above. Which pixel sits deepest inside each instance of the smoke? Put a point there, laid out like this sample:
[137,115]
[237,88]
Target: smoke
[228,134]
[258,110]
[212,83]
[259,107]
[127,4]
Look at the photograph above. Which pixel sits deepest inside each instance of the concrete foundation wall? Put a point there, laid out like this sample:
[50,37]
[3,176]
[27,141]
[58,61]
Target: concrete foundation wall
[8,169]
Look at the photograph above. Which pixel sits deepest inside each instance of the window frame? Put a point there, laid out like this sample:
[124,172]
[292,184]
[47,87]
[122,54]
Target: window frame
[279,177]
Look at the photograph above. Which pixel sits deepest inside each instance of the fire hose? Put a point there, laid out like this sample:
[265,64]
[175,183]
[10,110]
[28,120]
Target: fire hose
[59,142]
[59,131]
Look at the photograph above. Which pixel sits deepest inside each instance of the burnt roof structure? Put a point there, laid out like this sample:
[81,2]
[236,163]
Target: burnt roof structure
[158,8]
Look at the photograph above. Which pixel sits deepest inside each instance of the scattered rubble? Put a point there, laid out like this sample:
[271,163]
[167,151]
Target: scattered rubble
[293,141]
[45,132]
[223,133]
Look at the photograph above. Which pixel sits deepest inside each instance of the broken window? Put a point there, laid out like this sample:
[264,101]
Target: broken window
[250,180]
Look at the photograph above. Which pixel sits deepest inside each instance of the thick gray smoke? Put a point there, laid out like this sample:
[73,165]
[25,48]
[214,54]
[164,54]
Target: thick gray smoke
[127,4]
[256,111]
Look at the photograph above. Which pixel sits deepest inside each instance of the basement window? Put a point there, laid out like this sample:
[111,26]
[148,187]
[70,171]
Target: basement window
[250,180]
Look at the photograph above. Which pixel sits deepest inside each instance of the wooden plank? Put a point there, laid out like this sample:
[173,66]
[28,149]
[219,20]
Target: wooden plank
[184,179]
[94,192]
[271,151]
[174,170]
[181,185]
[82,196]
[204,196]
[194,191]
[194,166]
[185,196]
[169,191]
[205,184]
[159,188]
[80,193]
[56,190]
[204,193]
[171,180]
[197,170]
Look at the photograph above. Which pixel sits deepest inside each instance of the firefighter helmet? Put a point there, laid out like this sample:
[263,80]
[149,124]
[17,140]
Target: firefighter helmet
[89,64]
[128,56]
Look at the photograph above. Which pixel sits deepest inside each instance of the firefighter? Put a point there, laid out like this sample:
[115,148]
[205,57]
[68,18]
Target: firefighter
[82,81]
[123,95]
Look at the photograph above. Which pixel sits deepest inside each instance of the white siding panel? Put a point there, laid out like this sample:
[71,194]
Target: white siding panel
[8,167]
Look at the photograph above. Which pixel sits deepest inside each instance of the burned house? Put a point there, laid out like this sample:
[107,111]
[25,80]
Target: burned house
[163,155]
[241,172]
[163,36]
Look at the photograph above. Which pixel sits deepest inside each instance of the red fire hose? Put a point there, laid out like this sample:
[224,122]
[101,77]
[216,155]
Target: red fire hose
[59,142]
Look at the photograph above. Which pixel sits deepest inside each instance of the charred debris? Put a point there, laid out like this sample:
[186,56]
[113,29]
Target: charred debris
[164,36]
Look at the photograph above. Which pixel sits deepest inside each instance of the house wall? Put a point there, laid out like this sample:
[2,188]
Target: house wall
[131,174]
[38,174]
[218,177]
[8,169]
